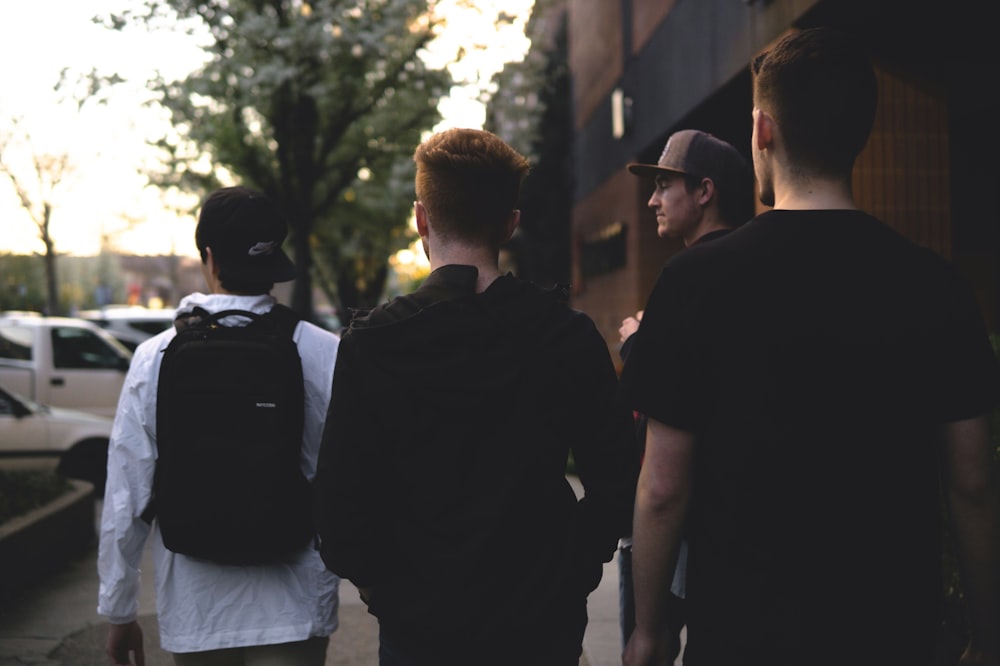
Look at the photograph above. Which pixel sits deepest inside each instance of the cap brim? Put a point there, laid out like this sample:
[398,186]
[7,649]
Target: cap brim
[649,169]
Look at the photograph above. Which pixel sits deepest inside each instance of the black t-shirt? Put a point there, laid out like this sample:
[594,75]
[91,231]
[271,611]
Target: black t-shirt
[813,355]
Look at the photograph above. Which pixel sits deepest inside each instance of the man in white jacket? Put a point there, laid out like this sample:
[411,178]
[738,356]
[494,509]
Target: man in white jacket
[210,613]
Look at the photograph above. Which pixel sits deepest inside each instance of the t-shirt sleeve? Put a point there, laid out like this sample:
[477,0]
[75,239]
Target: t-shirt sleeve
[964,368]
[667,374]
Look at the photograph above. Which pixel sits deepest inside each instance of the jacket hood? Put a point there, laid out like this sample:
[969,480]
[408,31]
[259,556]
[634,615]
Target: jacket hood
[197,304]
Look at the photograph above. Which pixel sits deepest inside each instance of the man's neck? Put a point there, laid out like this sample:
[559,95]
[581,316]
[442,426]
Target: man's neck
[485,261]
[703,230]
[814,194]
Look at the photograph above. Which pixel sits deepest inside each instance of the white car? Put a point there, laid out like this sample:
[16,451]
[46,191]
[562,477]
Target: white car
[77,439]
[129,324]
[62,361]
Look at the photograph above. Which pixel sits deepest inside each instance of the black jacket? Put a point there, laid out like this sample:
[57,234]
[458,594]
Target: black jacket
[441,482]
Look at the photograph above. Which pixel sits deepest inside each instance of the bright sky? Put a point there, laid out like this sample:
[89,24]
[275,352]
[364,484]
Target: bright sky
[104,194]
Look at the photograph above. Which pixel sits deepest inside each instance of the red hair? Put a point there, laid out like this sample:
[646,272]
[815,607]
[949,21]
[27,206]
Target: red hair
[469,181]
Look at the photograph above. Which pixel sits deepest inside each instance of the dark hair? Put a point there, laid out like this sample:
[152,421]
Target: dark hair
[234,284]
[736,202]
[469,181]
[244,287]
[237,285]
[820,88]
[734,198]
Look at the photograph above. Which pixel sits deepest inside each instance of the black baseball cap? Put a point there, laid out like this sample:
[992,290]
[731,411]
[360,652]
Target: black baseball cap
[245,230]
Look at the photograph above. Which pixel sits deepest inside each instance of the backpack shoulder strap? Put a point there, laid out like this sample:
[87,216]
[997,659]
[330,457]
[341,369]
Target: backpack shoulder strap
[285,319]
[191,318]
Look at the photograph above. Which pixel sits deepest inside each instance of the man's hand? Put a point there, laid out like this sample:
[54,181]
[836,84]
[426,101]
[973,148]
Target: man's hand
[629,326]
[973,656]
[643,650]
[122,640]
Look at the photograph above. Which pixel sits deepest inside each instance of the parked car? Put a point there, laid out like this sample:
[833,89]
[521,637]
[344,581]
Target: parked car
[62,361]
[130,324]
[79,440]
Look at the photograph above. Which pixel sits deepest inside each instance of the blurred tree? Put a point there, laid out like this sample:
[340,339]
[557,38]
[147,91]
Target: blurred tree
[315,103]
[20,278]
[37,178]
[535,117]
[368,233]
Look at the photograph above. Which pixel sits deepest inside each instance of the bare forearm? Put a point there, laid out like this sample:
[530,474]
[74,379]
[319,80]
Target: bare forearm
[661,505]
[656,537]
[974,500]
[975,523]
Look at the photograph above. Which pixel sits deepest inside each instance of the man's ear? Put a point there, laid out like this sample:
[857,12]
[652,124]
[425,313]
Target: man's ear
[763,125]
[210,264]
[512,221]
[706,190]
[420,213]
[210,271]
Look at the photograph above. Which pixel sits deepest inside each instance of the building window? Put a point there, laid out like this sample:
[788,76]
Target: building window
[604,251]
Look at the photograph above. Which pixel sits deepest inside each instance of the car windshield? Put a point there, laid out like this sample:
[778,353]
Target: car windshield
[7,397]
[15,342]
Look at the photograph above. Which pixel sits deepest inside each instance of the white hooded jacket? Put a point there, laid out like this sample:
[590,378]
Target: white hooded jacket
[202,605]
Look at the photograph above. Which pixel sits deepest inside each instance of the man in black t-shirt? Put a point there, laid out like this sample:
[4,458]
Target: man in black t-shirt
[808,380]
[703,189]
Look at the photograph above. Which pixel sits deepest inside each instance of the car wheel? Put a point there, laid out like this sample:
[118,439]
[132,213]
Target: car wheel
[87,461]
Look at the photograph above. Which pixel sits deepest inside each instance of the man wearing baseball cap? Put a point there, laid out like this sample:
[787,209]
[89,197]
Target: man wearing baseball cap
[212,613]
[703,190]
[703,185]
[239,236]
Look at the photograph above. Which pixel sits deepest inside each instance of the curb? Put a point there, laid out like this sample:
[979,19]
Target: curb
[42,540]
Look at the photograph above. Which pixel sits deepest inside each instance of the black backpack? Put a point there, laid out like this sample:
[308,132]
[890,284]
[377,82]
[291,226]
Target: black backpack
[228,485]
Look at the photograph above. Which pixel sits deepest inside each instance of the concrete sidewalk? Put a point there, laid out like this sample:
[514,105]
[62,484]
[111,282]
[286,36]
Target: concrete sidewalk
[56,624]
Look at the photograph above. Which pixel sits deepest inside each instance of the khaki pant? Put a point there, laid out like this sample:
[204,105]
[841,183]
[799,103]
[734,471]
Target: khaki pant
[311,652]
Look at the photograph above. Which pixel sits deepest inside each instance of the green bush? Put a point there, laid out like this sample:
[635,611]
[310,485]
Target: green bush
[22,490]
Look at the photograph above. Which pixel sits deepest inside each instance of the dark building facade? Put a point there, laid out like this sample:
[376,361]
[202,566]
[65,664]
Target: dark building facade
[642,69]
